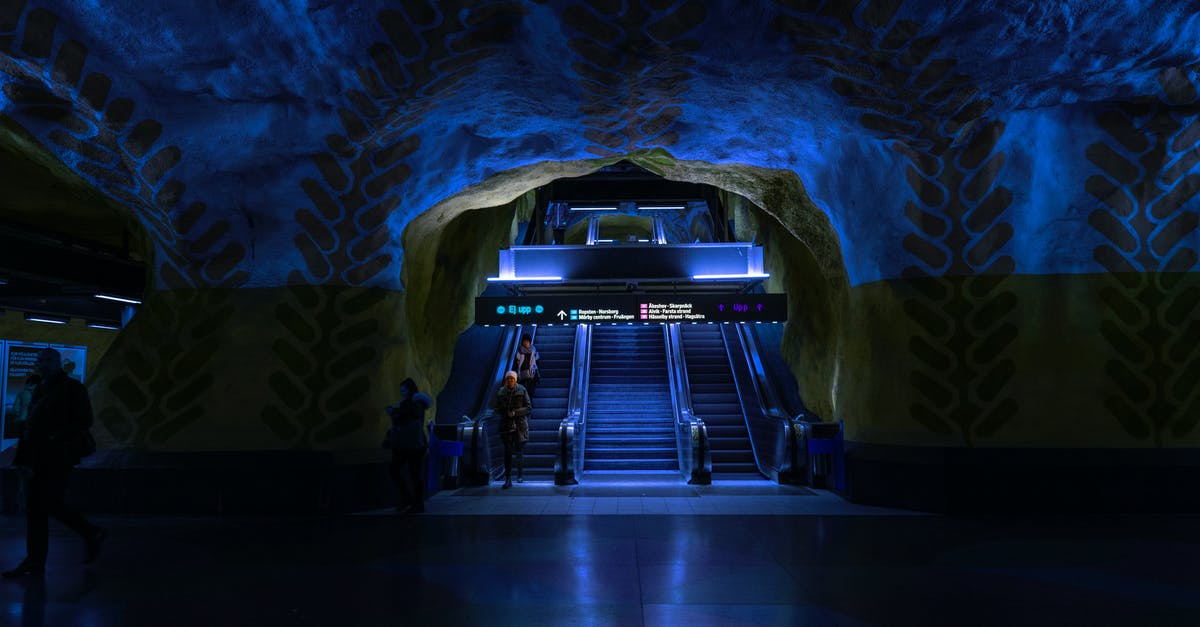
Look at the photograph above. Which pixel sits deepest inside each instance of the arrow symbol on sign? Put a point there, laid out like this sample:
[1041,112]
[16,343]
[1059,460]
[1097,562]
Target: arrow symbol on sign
[721,307]
[562,314]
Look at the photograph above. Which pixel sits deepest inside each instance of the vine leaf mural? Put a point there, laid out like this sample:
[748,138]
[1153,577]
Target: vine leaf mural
[935,118]
[99,135]
[632,67]
[432,48]
[1147,187]
[324,373]
[166,364]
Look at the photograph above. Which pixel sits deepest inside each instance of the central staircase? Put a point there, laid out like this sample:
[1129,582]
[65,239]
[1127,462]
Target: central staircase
[630,420]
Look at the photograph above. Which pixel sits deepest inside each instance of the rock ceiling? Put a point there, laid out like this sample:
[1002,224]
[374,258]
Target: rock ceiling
[269,143]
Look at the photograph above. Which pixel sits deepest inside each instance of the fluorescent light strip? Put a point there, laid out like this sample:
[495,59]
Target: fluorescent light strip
[593,209]
[119,299]
[109,327]
[46,320]
[702,277]
[513,279]
[662,207]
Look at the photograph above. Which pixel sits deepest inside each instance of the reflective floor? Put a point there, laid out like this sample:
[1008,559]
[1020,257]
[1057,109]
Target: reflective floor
[537,555]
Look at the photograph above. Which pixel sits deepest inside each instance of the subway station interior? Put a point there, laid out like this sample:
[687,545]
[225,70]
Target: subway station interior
[861,312]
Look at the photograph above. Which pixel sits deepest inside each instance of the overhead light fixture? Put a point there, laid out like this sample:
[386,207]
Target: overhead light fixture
[593,209]
[514,279]
[103,325]
[3,282]
[732,277]
[662,207]
[48,319]
[119,299]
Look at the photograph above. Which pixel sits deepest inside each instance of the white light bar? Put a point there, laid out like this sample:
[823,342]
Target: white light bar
[119,299]
[662,207]
[98,325]
[46,320]
[513,279]
[3,282]
[709,277]
[593,209]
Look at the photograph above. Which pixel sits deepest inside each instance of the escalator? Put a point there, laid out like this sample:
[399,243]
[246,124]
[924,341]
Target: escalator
[630,420]
[716,399]
[556,347]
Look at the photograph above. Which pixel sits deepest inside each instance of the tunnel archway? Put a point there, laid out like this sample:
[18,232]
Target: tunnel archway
[768,206]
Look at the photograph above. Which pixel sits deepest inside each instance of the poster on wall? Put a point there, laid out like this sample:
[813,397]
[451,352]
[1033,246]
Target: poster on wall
[18,360]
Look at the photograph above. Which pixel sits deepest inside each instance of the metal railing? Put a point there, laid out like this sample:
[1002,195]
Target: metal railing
[568,463]
[691,435]
[780,449]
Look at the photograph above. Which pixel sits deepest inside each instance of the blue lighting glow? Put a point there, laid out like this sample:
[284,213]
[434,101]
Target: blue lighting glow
[733,277]
[119,299]
[46,319]
[524,279]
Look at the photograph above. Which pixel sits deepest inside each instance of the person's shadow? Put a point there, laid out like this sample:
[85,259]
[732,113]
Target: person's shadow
[33,603]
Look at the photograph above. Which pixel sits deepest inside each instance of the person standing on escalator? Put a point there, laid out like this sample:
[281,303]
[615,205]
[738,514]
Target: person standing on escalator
[512,407]
[525,365]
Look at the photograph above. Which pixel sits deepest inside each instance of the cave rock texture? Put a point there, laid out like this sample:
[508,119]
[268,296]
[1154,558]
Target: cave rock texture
[987,210]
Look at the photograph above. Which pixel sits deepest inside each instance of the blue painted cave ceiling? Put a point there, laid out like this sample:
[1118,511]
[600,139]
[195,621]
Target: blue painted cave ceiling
[267,143]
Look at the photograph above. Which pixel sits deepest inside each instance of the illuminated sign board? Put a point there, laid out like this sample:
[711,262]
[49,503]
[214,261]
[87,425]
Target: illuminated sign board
[630,308]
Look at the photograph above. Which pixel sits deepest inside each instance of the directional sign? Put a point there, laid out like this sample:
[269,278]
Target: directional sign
[630,308]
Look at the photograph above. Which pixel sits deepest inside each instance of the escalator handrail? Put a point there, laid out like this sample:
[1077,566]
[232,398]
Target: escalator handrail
[480,455]
[789,431]
[695,455]
[573,428]
[768,399]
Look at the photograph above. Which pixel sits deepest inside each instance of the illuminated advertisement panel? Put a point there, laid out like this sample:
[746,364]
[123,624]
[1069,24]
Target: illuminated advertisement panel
[18,360]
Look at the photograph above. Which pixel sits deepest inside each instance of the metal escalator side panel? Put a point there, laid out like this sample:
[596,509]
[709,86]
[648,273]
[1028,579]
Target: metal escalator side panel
[572,428]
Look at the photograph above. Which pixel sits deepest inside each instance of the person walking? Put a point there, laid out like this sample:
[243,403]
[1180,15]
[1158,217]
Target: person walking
[525,365]
[409,442]
[56,436]
[512,405]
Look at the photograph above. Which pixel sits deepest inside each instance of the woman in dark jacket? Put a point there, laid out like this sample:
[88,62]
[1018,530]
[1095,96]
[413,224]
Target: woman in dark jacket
[512,406]
[408,442]
[525,365]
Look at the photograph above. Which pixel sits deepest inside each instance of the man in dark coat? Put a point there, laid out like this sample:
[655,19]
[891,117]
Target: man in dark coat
[512,406]
[54,439]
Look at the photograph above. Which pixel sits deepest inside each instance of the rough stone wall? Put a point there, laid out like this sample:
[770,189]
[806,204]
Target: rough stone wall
[981,193]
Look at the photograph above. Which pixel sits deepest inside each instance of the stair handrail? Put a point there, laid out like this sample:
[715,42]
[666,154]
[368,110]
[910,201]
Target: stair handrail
[788,459]
[478,444]
[691,434]
[568,463]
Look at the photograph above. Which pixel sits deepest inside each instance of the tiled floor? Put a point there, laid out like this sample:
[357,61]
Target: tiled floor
[530,556]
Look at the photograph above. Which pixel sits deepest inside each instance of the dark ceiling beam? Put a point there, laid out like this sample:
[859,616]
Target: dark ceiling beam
[32,258]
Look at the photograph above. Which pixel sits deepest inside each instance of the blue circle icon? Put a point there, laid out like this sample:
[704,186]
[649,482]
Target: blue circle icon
[500,309]
[539,309]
